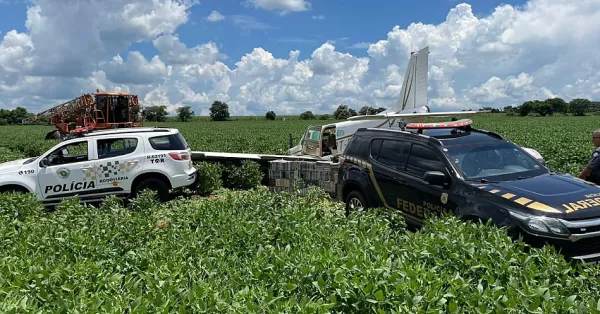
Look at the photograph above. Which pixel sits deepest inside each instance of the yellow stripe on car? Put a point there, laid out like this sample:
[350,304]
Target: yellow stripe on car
[543,207]
[523,201]
[508,195]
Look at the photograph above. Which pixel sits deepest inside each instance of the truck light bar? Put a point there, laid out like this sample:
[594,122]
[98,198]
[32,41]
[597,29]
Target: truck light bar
[440,125]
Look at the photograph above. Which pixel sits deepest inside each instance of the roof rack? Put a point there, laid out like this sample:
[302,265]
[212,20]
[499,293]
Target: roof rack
[92,132]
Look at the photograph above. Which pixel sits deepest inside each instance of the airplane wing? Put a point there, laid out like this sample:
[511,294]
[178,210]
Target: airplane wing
[415,115]
[198,156]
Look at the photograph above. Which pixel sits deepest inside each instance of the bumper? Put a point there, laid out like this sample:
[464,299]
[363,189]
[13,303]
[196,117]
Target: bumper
[587,259]
[185,180]
[582,243]
[584,250]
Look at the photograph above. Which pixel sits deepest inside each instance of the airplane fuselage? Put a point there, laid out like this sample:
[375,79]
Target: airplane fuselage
[313,139]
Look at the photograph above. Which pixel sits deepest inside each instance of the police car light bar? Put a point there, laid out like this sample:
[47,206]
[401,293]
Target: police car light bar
[440,125]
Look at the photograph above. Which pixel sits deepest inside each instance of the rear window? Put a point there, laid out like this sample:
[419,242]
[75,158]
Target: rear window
[169,142]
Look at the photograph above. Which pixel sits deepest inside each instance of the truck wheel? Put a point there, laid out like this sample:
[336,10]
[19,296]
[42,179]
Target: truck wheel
[161,189]
[355,202]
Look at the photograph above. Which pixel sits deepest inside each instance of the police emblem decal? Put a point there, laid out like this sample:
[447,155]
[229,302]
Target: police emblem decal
[444,198]
[63,172]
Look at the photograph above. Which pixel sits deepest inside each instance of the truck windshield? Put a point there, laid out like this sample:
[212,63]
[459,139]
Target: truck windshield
[493,161]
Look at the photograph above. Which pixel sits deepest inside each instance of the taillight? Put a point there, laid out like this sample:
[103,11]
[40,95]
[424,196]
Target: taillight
[180,156]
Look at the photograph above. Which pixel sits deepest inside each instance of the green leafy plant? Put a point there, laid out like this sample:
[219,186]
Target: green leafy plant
[262,252]
[246,175]
[209,177]
[257,251]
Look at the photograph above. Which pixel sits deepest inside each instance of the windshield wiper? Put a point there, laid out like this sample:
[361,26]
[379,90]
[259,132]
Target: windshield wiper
[482,180]
[522,177]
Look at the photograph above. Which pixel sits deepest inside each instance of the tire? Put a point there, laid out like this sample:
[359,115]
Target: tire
[53,135]
[15,190]
[354,199]
[160,187]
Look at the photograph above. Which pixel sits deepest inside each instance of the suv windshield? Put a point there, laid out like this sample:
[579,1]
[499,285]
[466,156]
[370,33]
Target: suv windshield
[494,161]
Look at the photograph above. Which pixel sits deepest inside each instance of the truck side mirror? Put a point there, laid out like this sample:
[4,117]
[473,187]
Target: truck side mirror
[435,178]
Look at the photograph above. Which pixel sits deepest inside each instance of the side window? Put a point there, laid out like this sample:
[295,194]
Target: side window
[375,146]
[354,146]
[391,153]
[69,153]
[422,159]
[114,147]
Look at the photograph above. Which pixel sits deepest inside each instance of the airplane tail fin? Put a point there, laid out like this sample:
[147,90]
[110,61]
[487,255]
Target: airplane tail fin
[412,103]
[413,95]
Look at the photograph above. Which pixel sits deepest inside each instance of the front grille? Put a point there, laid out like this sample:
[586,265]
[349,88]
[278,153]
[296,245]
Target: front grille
[567,247]
[585,229]
[581,247]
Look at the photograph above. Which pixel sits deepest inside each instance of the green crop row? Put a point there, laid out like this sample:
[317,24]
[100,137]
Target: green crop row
[565,142]
[8,155]
[253,251]
[260,252]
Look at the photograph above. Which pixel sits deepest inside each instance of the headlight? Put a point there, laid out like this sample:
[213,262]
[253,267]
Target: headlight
[541,224]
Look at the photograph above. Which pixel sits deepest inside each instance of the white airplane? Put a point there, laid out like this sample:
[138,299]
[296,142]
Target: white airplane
[411,107]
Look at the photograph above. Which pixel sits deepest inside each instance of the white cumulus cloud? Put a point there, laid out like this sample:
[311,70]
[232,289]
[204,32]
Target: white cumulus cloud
[215,16]
[543,49]
[283,6]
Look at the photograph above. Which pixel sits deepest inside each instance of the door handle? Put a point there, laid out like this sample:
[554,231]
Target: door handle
[133,162]
[86,168]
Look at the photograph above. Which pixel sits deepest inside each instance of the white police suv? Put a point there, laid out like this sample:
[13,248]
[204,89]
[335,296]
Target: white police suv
[120,162]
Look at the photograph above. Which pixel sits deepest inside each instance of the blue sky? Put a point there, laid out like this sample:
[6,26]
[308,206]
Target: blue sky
[483,52]
[347,22]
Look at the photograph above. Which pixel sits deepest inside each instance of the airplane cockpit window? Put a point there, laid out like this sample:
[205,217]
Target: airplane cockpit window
[314,135]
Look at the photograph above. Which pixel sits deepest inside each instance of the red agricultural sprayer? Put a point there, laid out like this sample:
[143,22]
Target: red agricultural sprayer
[100,110]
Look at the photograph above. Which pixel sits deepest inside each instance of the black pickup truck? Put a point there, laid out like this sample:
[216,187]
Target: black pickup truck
[429,168]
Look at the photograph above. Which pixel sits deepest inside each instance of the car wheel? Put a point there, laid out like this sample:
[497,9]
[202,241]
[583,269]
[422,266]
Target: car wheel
[161,189]
[13,190]
[355,202]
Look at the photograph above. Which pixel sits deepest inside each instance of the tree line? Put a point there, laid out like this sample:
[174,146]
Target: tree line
[14,116]
[551,106]
[219,111]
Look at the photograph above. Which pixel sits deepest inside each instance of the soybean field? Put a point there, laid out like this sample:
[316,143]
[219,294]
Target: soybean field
[253,251]
[565,142]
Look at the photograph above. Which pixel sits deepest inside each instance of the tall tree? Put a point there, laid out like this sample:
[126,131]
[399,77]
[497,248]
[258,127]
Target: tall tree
[185,113]
[307,115]
[579,106]
[219,111]
[558,105]
[270,115]
[155,113]
[343,112]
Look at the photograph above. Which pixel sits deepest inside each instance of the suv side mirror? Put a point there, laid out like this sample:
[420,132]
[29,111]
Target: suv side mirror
[435,178]
[45,162]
